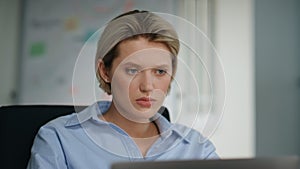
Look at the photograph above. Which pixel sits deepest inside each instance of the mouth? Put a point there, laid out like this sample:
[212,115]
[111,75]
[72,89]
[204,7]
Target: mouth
[145,102]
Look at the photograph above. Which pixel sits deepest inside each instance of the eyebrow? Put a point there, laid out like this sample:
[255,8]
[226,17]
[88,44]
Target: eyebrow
[162,66]
[139,66]
[132,64]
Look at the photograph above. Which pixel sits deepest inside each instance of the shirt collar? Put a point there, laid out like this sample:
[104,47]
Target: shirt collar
[167,129]
[91,112]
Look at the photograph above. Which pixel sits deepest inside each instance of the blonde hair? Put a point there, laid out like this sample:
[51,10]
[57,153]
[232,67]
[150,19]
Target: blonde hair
[132,25]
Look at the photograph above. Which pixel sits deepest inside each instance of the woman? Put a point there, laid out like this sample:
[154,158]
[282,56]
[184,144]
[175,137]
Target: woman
[135,62]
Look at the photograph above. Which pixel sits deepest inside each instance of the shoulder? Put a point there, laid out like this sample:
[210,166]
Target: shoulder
[57,125]
[195,138]
[189,133]
[197,142]
[47,146]
[60,121]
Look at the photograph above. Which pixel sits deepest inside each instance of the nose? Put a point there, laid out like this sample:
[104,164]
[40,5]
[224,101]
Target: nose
[146,84]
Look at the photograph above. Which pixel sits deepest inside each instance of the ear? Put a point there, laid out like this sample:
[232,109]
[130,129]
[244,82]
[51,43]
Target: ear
[103,71]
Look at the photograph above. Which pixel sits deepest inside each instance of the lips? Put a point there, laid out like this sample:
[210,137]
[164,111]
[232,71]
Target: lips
[145,102]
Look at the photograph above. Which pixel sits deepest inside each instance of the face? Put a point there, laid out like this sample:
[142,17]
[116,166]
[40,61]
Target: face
[140,77]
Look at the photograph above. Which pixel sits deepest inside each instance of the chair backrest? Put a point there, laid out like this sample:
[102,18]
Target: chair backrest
[19,125]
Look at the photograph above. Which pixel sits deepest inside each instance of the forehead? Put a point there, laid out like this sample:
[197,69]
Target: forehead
[130,46]
[143,52]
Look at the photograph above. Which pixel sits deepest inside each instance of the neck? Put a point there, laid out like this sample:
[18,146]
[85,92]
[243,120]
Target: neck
[133,129]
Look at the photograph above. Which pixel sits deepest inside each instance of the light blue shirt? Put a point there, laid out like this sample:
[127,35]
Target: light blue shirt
[82,140]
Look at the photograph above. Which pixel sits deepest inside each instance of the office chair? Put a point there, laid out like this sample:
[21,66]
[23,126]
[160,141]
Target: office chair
[20,124]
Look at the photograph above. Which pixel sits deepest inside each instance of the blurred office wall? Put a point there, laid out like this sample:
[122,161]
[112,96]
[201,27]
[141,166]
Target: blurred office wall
[9,49]
[277,66]
[234,42]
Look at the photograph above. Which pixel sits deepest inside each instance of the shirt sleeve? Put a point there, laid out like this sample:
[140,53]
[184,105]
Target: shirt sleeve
[47,151]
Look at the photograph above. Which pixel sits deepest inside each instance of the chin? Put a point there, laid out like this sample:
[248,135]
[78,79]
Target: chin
[144,114]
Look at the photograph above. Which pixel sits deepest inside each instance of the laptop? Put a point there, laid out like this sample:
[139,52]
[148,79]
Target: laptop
[255,163]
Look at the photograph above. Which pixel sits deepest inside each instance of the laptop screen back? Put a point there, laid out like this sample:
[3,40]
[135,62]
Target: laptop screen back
[256,163]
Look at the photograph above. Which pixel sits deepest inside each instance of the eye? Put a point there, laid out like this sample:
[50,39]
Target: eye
[131,71]
[160,71]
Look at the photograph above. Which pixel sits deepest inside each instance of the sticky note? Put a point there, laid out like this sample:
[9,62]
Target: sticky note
[37,49]
[71,24]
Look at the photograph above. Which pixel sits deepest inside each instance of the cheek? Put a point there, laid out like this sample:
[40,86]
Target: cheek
[125,87]
[164,84]
[133,86]
[120,84]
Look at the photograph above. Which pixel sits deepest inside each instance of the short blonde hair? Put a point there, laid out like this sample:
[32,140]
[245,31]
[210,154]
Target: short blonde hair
[132,25]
